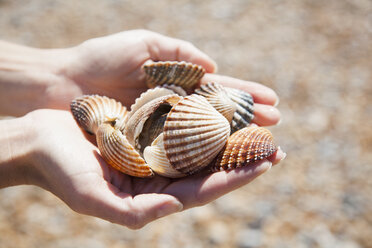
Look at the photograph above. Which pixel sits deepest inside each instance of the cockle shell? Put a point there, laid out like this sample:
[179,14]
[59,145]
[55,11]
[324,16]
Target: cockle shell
[117,152]
[146,116]
[245,146]
[90,111]
[245,112]
[148,96]
[176,89]
[183,74]
[194,133]
[156,157]
[218,98]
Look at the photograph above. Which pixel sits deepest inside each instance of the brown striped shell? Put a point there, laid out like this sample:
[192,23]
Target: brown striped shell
[194,133]
[244,147]
[119,153]
[218,98]
[90,111]
[244,113]
[183,74]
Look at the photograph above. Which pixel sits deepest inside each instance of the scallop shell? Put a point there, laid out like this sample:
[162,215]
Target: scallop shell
[148,96]
[245,146]
[148,113]
[117,152]
[176,89]
[218,98]
[157,159]
[183,74]
[194,133]
[245,111]
[92,110]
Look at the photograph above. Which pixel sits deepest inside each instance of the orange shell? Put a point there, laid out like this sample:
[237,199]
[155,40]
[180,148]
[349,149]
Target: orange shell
[92,110]
[117,152]
[245,146]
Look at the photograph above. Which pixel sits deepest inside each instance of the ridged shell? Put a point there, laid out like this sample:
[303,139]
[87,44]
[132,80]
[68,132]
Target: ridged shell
[117,152]
[194,133]
[148,96]
[176,89]
[183,74]
[245,146]
[156,158]
[244,114]
[218,98]
[135,124]
[92,110]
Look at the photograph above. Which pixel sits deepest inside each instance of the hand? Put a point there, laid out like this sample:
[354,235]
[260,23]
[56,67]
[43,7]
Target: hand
[67,164]
[111,66]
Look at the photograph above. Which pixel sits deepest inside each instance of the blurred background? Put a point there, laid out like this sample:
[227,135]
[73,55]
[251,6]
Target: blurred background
[317,55]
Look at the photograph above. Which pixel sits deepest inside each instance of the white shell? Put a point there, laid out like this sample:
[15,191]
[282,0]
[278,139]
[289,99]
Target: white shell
[148,96]
[194,133]
[156,158]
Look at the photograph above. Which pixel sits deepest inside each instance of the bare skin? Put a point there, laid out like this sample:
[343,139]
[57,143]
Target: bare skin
[46,147]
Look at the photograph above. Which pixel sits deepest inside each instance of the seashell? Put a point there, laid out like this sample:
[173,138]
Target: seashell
[157,159]
[148,96]
[92,110]
[218,98]
[117,152]
[194,133]
[176,89]
[183,74]
[245,146]
[147,122]
[244,113]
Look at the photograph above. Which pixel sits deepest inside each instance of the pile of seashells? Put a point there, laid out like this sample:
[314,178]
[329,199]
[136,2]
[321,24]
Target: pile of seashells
[172,133]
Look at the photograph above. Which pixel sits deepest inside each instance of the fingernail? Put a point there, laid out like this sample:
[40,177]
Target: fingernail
[277,102]
[279,122]
[168,209]
[284,154]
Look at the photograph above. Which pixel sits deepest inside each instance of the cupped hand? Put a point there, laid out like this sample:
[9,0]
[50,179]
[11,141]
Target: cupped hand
[112,66]
[68,164]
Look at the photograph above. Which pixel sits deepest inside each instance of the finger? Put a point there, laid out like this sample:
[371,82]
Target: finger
[105,201]
[197,191]
[277,157]
[265,115]
[260,93]
[165,48]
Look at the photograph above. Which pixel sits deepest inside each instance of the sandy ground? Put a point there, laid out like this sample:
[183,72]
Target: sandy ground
[315,54]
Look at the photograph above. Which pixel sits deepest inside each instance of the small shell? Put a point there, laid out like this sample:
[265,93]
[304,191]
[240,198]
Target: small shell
[156,158]
[245,112]
[183,74]
[148,96]
[245,146]
[92,110]
[194,133]
[149,112]
[218,98]
[117,152]
[176,89]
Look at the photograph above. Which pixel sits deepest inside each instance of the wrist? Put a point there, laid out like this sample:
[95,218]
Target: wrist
[16,152]
[32,78]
